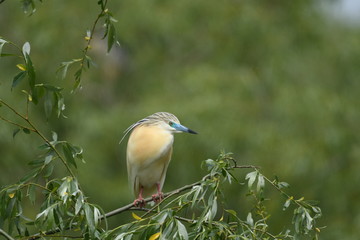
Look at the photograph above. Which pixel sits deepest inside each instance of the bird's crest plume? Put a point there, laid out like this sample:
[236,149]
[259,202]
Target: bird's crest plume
[151,120]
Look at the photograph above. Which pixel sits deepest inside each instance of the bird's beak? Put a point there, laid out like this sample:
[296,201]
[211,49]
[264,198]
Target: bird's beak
[182,128]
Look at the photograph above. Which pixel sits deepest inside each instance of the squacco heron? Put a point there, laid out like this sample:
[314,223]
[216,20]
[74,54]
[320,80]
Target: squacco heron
[149,152]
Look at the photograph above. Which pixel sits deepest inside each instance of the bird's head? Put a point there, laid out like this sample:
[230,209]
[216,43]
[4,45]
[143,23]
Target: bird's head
[168,122]
[164,120]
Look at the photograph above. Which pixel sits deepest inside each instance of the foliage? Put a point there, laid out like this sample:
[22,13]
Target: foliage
[276,83]
[85,61]
[198,213]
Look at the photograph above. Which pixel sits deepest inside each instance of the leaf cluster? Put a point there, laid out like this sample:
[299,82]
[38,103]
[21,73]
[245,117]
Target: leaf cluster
[197,211]
[201,213]
[85,61]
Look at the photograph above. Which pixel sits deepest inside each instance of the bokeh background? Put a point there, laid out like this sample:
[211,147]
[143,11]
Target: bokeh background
[274,82]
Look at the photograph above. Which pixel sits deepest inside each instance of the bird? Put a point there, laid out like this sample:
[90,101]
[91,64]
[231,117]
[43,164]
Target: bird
[148,153]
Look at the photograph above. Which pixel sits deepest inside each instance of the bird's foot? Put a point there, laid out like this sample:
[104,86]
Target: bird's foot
[139,202]
[158,197]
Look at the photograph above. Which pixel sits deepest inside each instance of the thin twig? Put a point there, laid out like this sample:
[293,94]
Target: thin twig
[5,234]
[34,129]
[16,124]
[92,31]
[247,166]
[12,109]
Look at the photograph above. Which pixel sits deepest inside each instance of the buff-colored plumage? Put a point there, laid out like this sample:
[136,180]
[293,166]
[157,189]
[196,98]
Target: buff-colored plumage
[149,151]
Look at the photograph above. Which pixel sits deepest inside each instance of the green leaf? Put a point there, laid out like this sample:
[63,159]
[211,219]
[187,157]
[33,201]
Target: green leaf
[260,183]
[16,131]
[38,93]
[251,177]
[213,207]
[77,152]
[2,43]
[79,204]
[97,215]
[30,175]
[64,68]
[197,190]
[168,230]
[44,147]
[232,212]
[17,79]
[48,170]
[249,219]
[210,164]
[26,130]
[10,208]
[50,221]
[54,136]
[283,185]
[26,49]
[89,217]
[183,234]
[287,204]
[28,6]
[309,221]
[161,217]
[59,103]
[30,72]
[48,158]
[68,154]
[74,187]
[111,36]
[77,75]
[37,163]
[63,190]
[89,61]
[32,194]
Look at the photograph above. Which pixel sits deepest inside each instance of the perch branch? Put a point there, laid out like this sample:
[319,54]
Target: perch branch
[149,199]
[131,206]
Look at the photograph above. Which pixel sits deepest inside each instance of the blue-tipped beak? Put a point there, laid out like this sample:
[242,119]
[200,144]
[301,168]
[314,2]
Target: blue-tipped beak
[182,128]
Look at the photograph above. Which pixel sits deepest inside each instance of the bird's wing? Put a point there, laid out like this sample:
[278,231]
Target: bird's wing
[132,179]
[163,174]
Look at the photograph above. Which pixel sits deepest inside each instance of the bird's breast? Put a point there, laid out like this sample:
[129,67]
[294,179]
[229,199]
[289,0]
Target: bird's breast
[147,144]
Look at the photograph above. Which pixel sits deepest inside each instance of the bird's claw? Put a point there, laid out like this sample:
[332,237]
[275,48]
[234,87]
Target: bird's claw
[139,202]
[158,197]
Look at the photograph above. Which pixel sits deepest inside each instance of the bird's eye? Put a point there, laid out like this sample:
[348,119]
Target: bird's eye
[171,124]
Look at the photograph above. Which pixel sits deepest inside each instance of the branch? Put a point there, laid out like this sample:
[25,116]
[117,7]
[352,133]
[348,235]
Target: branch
[149,199]
[167,195]
[127,207]
[34,129]
[2,232]
[131,206]
[88,46]
[16,124]
[92,31]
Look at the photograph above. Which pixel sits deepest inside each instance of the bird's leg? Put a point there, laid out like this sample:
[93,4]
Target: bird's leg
[140,202]
[159,195]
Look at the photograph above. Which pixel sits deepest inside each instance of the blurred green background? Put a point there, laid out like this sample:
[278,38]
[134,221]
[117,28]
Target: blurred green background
[274,82]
